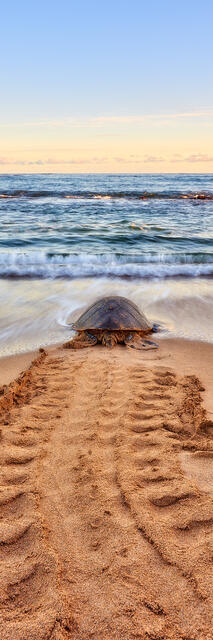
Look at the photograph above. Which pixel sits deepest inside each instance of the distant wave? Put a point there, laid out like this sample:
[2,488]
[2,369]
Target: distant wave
[133,195]
[46,265]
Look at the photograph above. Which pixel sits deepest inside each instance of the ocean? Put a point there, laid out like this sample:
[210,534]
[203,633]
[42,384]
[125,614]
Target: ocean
[66,240]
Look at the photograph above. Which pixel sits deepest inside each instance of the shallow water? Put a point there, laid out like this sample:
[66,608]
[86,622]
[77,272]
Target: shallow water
[67,239]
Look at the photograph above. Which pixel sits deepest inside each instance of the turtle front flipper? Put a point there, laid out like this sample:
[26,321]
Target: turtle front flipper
[82,340]
[138,342]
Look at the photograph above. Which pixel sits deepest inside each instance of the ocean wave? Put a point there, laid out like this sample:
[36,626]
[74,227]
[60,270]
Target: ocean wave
[46,265]
[93,195]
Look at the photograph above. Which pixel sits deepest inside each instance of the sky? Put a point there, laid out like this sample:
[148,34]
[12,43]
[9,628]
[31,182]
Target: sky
[112,86]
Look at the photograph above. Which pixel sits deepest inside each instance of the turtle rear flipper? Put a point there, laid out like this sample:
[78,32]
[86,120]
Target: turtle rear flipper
[109,339]
[138,342]
[82,340]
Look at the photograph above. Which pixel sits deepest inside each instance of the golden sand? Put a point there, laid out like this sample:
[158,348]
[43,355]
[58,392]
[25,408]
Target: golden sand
[106,495]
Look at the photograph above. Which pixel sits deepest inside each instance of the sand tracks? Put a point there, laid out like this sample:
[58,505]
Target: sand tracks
[30,598]
[102,534]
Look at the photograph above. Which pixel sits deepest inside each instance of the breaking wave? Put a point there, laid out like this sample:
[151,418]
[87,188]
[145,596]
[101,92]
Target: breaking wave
[40,264]
[93,195]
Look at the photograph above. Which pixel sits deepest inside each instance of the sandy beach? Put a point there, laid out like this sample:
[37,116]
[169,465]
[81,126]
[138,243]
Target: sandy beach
[106,494]
[106,248]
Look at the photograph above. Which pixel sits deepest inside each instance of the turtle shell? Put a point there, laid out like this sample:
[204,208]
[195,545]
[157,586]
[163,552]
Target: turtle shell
[112,313]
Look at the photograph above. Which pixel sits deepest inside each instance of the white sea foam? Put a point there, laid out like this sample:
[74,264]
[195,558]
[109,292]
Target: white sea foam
[38,264]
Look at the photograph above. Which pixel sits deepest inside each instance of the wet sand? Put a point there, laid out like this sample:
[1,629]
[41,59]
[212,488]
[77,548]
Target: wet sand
[106,494]
[12,366]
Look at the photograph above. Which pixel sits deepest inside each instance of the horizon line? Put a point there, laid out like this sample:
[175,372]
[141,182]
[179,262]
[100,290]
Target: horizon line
[67,173]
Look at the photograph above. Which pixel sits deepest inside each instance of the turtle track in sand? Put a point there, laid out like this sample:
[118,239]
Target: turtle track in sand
[102,534]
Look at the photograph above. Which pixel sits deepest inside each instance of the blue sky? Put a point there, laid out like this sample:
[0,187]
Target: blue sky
[74,74]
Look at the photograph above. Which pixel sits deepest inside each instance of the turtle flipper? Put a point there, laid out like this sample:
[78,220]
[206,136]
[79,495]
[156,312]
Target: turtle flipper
[109,339]
[81,341]
[138,342]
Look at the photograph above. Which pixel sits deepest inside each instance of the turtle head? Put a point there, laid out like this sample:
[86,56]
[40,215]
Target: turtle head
[155,328]
[109,339]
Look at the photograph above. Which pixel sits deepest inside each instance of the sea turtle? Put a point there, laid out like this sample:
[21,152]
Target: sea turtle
[110,320]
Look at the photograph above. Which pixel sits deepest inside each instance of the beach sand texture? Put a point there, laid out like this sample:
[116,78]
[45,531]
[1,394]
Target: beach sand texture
[106,493]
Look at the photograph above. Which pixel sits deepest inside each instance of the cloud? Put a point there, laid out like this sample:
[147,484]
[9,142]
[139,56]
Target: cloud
[135,159]
[51,161]
[132,119]
[194,157]
[56,161]
[3,161]
[151,159]
[199,157]
[107,120]
[132,159]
